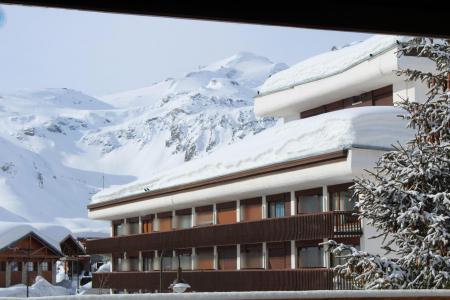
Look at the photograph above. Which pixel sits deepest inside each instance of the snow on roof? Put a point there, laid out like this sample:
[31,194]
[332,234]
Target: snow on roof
[366,127]
[50,233]
[330,63]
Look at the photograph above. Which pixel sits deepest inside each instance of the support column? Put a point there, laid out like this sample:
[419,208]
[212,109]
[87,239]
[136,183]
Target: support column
[264,207]
[216,259]
[174,260]
[39,268]
[264,256]
[156,264]
[193,223]
[325,200]
[141,262]
[156,223]
[326,256]
[214,213]
[174,220]
[293,255]
[293,204]
[24,272]
[238,210]
[126,227]
[193,260]
[238,257]
[8,274]
[140,225]
[53,271]
[112,228]
[125,263]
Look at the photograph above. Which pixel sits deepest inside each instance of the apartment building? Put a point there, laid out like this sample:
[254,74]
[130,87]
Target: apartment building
[253,216]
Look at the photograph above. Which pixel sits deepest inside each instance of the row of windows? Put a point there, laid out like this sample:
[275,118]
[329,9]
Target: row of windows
[30,266]
[279,205]
[278,256]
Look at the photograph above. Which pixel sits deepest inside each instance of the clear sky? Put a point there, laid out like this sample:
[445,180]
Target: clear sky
[101,53]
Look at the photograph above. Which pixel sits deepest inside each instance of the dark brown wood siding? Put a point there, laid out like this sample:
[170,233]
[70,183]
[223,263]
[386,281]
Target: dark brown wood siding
[298,227]
[220,281]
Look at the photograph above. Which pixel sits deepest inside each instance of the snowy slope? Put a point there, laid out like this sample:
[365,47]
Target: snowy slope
[59,146]
[366,127]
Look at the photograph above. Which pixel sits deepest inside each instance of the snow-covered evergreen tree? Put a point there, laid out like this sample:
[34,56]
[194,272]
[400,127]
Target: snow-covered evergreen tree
[407,197]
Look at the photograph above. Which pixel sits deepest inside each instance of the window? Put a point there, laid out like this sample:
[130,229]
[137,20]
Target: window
[167,261]
[2,266]
[165,221]
[227,257]
[16,266]
[184,217]
[147,224]
[251,256]
[185,259]
[341,198]
[147,261]
[117,227]
[133,262]
[278,205]
[382,96]
[251,209]
[205,258]
[44,266]
[310,257]
[115,262]
[204,215]
[226,213]
[133,226]
[309,201]
[31,266]
[279,255]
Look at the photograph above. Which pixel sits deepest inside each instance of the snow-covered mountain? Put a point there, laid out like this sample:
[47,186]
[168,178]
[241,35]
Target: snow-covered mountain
[60,146]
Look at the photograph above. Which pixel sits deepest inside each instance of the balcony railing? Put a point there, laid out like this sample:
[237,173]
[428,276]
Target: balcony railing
[299,227]
[346,223]
[216,281]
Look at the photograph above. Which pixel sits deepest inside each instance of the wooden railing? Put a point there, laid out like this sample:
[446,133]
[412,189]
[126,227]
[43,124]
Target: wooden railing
[346,223]
[299,228]
[216,281]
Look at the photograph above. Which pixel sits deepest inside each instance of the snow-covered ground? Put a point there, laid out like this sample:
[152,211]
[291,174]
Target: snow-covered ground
[366,127]
[41,288]
[329,295]
[59,146]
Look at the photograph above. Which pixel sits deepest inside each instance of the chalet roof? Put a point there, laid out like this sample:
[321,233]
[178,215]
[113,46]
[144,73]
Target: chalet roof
[363,127]
[330,63]
[38,238]
[53,235]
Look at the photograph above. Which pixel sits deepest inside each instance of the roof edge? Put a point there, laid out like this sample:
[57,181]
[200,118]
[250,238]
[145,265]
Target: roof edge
[268,169]
[270,92]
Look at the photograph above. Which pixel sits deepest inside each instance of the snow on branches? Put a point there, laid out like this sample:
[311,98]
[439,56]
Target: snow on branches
[407,196]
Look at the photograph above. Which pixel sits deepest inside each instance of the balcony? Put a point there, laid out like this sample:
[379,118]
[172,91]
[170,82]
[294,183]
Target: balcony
[218,281]
[299,227]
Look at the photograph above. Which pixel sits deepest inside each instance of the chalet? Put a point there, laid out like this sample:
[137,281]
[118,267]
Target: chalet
[252,215]
[28,250]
